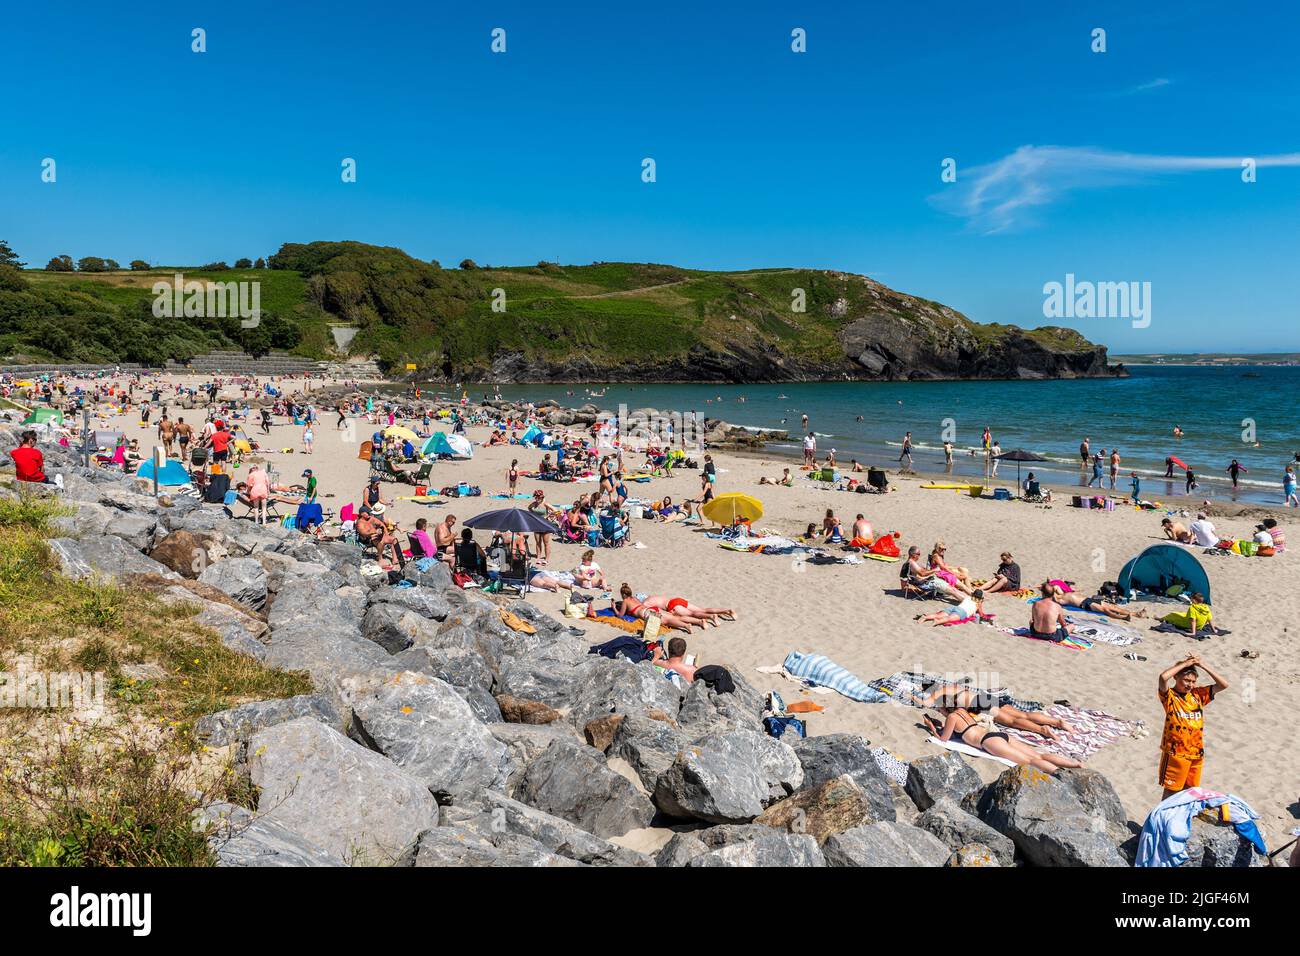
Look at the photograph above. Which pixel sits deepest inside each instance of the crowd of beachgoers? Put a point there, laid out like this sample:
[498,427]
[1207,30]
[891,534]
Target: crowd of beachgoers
[1038,648]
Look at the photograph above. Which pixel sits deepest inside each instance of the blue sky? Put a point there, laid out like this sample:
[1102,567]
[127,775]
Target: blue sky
[1115,166]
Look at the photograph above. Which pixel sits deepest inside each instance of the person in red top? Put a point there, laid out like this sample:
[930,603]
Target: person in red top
[28,460]
[220,444]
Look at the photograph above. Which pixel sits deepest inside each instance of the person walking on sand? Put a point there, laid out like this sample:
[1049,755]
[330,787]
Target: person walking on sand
[907,451]
[1114,467]
[994,451]
[307,438]
[512,475]
[1182,744]
[1235,469]
[1096,469]
[809,447]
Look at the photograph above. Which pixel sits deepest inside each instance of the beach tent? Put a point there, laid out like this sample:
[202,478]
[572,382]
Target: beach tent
[440,443]
[460,446]
[44,416]
[173,473]
[1160,567]
[533,436]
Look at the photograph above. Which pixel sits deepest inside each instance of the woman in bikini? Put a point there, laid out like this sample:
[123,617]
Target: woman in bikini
[960,724]
[1034,722]
[692,612]
[629,606]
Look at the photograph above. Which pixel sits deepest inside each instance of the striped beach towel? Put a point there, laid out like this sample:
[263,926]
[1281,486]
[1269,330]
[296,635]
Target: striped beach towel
[821,671]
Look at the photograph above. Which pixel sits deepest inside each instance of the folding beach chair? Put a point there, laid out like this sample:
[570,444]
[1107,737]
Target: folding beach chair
[613,533]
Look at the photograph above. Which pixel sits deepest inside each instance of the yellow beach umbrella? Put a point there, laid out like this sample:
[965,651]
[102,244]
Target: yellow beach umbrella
[399,431]
[731,507]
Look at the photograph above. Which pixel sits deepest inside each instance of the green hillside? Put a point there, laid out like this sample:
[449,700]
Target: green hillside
[542,322]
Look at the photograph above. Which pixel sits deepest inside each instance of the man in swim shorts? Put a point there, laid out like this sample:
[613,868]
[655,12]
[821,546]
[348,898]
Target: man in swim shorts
[1046,618]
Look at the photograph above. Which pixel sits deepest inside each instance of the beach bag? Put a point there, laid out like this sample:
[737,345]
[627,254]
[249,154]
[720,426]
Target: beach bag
[1248,548]
[652,625]
[461,579]
[1265,551]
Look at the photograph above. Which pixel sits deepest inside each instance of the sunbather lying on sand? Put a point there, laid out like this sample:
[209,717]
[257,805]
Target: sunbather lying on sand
[957,695]
[629,606]
[691,612]
[960,724]
[1096,603]
[786,480]
[970,606]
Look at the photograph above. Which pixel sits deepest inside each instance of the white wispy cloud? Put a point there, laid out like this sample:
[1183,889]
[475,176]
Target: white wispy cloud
[1006,194]
[1148,86]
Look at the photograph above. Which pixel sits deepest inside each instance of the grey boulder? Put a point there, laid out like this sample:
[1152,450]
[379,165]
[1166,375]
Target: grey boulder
[940,775]
[240,723]
[728,777]
[351,802]
[244,579]
[428,730]
[885,844]
[572,781]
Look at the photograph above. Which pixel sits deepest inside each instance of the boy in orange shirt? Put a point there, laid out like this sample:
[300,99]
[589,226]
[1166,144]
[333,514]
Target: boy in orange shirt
[1182,744]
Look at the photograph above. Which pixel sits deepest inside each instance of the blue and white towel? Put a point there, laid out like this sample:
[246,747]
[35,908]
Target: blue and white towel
[820,671]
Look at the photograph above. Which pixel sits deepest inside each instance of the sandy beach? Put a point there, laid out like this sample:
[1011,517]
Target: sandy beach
[854,614]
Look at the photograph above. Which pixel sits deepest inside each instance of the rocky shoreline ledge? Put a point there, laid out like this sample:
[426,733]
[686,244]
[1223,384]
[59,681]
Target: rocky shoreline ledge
[444,732]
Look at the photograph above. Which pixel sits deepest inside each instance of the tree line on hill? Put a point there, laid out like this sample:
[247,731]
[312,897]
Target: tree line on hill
[42,321]
[65,263]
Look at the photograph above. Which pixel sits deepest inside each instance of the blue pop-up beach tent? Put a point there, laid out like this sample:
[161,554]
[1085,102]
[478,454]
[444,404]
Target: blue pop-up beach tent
[173,473]
[1160,567]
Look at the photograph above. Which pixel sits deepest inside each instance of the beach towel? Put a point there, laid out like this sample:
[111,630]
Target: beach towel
[985,618]
[819,670]
[1168,628]
[1093,729]
[961,748]
[1167,828]
[631,624]
[902,686]
[1071,642]
[1103,629]
[893,768]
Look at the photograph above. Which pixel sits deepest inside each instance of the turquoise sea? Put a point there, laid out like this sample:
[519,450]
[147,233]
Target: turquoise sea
[1223,412]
